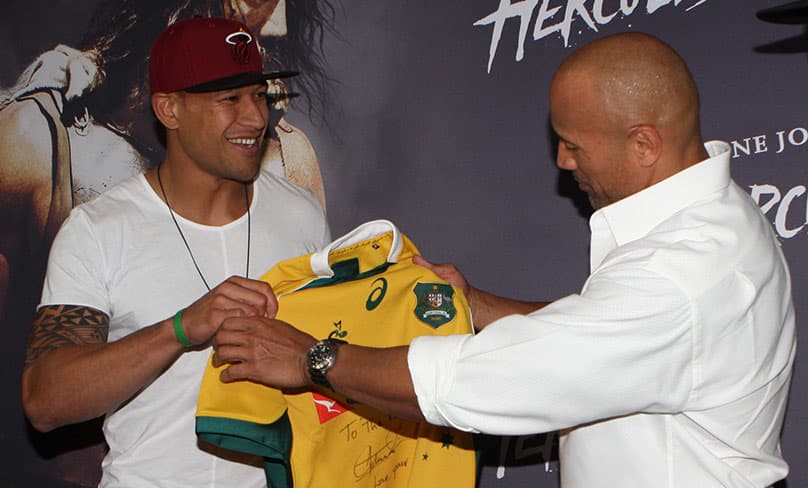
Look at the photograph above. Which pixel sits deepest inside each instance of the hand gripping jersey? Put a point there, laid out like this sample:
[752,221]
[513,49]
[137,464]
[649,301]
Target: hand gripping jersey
[362,288]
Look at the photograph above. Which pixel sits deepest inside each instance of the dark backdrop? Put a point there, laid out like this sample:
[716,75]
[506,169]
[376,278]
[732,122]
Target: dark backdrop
[460,156]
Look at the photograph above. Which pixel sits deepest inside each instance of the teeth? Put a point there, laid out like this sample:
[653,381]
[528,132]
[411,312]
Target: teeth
[244,141]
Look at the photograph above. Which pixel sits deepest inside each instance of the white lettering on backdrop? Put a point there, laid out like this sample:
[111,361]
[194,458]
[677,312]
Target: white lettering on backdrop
[761,143]
[548,19]
[786,207]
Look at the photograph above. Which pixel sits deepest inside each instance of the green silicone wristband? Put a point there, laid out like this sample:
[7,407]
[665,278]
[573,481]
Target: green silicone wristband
[178,329]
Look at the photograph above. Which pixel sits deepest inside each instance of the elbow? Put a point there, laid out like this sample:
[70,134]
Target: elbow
[38,424]
[37,408]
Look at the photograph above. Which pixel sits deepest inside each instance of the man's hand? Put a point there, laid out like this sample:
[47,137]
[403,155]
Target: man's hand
[448,272]
[485,307]
[273,353]
[263,350]
[63,68]
[235,297]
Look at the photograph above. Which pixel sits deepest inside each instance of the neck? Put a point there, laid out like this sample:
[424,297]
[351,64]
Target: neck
[207,201]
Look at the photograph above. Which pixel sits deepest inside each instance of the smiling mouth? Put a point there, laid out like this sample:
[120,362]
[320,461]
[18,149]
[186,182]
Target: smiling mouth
[244,141]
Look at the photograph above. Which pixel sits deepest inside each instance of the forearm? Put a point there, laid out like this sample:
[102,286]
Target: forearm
[376,377]
[73,374]
[487,307]
[78,382]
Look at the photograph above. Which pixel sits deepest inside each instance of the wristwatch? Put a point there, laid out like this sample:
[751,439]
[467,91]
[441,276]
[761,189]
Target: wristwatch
[320,358]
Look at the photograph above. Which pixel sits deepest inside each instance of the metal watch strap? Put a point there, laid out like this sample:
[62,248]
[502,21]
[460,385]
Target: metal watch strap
[321,357]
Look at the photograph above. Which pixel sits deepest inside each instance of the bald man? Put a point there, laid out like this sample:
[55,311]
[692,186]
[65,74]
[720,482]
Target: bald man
[669,369]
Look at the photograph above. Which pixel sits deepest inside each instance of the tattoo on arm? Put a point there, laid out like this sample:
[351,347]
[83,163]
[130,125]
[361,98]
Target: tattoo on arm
[60,325]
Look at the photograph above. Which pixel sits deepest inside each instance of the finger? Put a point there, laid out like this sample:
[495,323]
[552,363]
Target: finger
[235,332]
[203,314]
[255,292]
[234,372]
[216,359]
[233,307]
[228,354]
[420,261]
[224,338]
[200,322]
[272,307]
[444,271]
[237,324]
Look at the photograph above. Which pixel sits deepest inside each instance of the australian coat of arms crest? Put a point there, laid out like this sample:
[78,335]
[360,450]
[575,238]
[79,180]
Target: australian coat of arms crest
[434,305]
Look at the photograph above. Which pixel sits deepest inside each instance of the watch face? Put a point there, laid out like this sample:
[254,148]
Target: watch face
[321,356]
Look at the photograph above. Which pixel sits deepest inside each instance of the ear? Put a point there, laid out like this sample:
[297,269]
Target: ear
[645,145]
[165,109]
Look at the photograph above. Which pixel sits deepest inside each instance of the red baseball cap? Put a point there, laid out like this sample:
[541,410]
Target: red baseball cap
[203,54]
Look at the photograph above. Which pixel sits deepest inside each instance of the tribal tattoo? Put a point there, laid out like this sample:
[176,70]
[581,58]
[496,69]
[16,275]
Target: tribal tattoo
[61,325]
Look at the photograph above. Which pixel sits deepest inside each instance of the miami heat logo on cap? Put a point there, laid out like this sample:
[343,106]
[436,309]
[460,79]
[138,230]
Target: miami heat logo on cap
[240,41]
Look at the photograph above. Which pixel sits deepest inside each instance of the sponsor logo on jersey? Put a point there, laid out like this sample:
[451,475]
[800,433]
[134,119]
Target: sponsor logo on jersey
[434,305]
[377,293]
[327,408]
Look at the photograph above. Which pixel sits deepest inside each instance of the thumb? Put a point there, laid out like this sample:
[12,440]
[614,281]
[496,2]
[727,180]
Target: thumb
[232,373]
[420,261]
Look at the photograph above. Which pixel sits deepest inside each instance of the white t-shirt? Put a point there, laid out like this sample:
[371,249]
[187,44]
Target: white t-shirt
[669,370]
[122,254]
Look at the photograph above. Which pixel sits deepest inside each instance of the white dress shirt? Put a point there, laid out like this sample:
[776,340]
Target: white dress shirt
[670,368]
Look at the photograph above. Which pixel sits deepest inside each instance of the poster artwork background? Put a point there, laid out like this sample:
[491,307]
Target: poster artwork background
[461,159]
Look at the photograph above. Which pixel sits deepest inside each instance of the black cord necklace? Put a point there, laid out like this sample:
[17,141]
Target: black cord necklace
[185,241]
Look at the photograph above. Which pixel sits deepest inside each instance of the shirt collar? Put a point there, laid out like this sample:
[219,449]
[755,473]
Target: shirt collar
[634,216]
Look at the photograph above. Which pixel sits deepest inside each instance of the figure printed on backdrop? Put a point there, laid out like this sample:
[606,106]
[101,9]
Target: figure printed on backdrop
[670,368]
[78,121]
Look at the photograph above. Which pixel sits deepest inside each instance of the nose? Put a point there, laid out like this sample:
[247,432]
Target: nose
[565,159]
[254,112]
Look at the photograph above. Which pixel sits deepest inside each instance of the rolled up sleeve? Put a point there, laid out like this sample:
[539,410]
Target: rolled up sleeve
[625,345]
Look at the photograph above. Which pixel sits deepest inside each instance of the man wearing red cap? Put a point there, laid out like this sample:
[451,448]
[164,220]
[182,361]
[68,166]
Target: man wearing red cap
[140,278]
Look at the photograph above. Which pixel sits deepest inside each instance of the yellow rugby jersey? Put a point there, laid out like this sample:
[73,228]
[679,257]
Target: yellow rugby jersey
[364,289]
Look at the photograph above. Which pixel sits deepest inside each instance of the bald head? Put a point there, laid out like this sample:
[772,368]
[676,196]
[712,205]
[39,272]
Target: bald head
[634,96]
[636,79]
